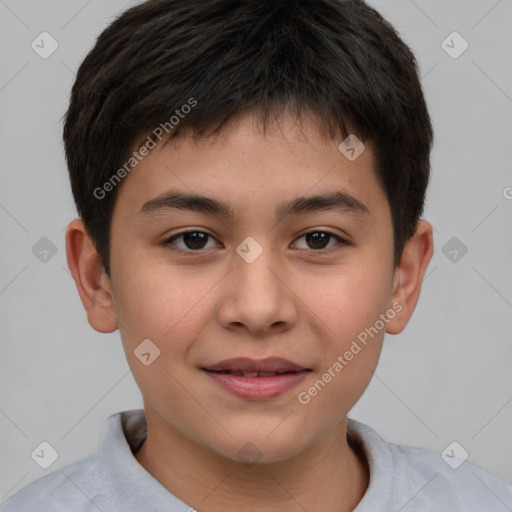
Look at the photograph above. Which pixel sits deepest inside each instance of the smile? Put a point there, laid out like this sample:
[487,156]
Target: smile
[257,385]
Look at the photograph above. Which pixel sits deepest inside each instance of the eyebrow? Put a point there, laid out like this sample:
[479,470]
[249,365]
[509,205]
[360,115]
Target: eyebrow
[336,200]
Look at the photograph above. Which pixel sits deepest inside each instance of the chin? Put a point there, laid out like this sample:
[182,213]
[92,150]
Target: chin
[255,446]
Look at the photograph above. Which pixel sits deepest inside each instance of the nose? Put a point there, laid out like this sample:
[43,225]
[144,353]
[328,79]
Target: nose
[258,297]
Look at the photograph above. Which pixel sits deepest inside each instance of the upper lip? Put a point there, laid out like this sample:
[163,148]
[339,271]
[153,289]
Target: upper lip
[245,364]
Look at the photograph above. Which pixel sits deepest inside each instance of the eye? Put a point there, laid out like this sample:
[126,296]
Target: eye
[317,240]
[192,241]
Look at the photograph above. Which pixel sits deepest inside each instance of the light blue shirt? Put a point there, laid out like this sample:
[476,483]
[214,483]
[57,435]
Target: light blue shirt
[402,479]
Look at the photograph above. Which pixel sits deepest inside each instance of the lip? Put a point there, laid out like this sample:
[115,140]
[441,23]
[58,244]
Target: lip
[257,388]
[260,387]
[245,364]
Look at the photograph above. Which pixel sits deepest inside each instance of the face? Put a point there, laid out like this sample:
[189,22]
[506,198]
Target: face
[205,286]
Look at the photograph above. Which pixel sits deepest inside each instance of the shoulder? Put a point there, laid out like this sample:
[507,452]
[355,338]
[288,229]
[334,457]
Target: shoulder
[77,487]
[451,481]
[417,479]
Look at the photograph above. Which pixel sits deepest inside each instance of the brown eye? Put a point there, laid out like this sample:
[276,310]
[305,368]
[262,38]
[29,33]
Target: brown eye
[318,240]
[191,240]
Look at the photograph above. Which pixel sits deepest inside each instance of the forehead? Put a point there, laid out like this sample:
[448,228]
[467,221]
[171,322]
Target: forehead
[250,168]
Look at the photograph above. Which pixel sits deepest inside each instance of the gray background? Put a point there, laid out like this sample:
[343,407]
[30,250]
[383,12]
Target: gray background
[446,378]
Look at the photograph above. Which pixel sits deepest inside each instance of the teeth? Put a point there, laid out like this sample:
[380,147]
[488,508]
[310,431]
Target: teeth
[250,374]
[253,374]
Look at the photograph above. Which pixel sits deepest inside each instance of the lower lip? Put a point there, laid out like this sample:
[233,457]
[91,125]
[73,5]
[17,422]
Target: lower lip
[258,388]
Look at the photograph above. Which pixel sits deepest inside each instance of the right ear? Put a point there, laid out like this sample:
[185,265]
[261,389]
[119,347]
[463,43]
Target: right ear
[91,280]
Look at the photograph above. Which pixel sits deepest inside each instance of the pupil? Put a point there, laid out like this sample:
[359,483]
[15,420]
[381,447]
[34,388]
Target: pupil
[317,237]
[195,240]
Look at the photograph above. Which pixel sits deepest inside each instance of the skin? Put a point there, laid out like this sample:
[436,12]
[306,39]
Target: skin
[299,301]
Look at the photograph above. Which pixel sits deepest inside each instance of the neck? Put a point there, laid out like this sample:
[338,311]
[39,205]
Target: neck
[331,473]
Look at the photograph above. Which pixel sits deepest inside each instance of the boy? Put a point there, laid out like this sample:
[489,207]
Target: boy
[250,178]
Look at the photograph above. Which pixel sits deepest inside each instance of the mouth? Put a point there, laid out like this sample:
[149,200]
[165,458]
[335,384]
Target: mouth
[256,380]
[253,368]
[251,374]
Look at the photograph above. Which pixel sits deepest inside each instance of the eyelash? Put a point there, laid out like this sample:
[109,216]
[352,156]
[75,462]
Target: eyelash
[170,240]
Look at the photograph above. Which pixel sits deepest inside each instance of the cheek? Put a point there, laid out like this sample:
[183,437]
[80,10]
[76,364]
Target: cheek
[348,302]
[167,306]
[351,344]
[151,307]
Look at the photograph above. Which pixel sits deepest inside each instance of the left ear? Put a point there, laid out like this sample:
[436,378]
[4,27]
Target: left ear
[409,276]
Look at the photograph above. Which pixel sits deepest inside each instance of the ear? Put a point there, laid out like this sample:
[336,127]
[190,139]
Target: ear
[91,280]
[409,276]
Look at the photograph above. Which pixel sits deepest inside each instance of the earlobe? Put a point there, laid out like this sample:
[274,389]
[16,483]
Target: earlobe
[92,282]
[409,275]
